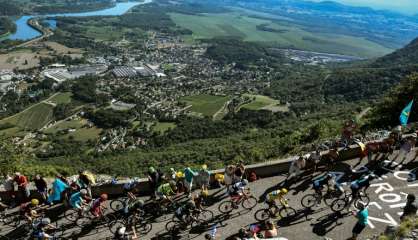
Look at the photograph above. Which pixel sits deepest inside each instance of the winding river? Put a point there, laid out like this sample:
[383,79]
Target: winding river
[25,32]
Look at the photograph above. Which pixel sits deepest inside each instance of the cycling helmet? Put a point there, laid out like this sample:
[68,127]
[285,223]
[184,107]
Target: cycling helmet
[34,202]
[46,221]
[329,175]
[283,190]
[244,182]
[121,231]
[411,197]
[103,197]
[83,192]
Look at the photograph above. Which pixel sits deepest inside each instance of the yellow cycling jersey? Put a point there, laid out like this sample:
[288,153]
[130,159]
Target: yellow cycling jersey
[275,195]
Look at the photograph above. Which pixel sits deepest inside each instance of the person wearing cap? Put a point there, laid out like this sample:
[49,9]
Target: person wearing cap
[28,209]
[411,207]
[154,180]
[362,216]
[189,174]
[204,177]
[22,185]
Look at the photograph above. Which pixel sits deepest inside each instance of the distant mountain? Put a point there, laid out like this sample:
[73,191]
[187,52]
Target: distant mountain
[405,56]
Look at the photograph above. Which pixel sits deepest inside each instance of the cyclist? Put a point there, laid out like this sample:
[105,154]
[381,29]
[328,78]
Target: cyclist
[165,190]
[40,227]
[129,188]
[27,209]
[237,188]
[319,184]
[184,213]
[98,206]
[79,199]
[276,195]
[358,185]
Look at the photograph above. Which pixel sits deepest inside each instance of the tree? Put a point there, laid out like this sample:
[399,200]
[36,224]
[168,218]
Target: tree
[10,158]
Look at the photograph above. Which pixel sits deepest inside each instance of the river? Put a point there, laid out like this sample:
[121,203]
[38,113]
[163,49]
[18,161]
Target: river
[25,32]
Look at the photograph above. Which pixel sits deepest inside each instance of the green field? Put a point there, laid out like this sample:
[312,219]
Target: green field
[162,127]
[61,98]
[264,102]
[237,24]
[63,125]
[85,134]
[204,104]
[33,117]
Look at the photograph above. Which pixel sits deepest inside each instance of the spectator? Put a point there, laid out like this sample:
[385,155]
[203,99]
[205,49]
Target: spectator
[189,174]
[333,157]
[296,167]
[228,176]
[57,190]
[362,217]
[154,180]
[85,181]
[239,172]
[41,186]
[10,189]
[407,146]
[271,230]
[315,158]
[411,207]
[204,177]
[22,185]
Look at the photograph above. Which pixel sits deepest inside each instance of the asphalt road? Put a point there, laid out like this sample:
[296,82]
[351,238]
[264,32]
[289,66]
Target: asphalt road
[387,194]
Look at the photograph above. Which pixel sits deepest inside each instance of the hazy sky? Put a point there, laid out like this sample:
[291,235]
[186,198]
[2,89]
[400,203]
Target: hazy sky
[404,6]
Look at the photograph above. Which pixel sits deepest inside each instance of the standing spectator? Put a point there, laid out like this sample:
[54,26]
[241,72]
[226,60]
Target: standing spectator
[229,176]
[189,174]
[411,207]
[362,216]
[154,180]
[85,181]
[239,172]
[271,230]
[57,191]
[333,157]
[204,178]
[407,146]
[41,186]
[10,189]
[22,185]
[296,167]
[315,158]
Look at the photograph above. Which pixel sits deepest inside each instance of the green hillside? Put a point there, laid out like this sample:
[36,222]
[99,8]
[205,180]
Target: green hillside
[204,104]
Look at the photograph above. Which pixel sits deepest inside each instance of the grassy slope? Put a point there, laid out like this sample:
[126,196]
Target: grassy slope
[34,117]
[61,98]
[238,25]
[260,102]
[205,104]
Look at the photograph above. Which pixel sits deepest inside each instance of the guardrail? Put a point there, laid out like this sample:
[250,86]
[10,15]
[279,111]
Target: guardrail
[266,169]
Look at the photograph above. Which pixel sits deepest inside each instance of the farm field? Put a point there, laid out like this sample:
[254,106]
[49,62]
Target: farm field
[264,102]
[61,98]
[238,24]
[33,117]
[63,125]
[84,134]
[162,127]
[204,104]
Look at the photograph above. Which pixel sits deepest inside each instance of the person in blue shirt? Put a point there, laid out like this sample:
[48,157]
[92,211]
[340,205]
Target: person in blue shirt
[362,183]
[362,220]
[78,199]
[319,184]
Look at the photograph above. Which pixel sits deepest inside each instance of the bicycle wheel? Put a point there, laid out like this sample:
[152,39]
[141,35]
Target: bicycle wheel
[329,197]
[171,226]
[287,212]
[143,228]
[71,214]
[115,225]
[308,201]
[107,219]
[249,202]
[226,206]
[205,216]
[262,215]
[362,198]
[83,221]
[116,205]
[338,205]
[12,220]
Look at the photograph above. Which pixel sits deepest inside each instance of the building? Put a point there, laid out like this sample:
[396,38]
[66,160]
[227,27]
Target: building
[124,72]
